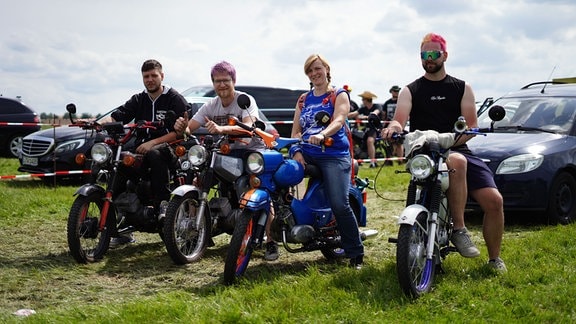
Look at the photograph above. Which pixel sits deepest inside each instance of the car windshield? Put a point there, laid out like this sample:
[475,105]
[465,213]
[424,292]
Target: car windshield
[551,114]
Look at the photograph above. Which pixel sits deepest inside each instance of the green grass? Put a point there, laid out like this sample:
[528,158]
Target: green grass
[139,283]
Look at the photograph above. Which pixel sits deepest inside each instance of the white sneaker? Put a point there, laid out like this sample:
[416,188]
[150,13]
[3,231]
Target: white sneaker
[463,243]
[498,265]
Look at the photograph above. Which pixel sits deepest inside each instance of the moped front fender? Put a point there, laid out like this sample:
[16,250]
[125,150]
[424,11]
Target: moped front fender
[184,189]
[255,199]
[409,214]
[88,189]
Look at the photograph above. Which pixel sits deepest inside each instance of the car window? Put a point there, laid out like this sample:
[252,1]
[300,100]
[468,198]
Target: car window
[547,113]
[10,107]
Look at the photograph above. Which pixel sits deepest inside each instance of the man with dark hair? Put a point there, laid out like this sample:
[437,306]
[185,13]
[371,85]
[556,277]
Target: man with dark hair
[155,103]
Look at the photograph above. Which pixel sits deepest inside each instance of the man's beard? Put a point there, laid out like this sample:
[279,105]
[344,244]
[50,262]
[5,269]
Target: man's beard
[432,68]
[153,88]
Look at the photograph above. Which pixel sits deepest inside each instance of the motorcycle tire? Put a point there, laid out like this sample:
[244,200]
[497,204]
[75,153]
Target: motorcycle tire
[240,249]
[85,241]
[185,231]
[415,273]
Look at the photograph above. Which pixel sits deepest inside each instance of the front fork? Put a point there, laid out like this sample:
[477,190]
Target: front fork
[259,201]
[433,219]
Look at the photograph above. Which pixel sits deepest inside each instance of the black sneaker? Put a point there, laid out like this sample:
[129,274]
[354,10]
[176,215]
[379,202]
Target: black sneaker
[122,240]
[357,262]
[271,253]
[373,165]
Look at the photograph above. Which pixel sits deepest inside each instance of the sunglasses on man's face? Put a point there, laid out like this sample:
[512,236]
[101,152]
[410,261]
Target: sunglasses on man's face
[432,55]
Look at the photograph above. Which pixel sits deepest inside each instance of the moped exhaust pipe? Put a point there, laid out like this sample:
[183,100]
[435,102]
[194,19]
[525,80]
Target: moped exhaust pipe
[368,234]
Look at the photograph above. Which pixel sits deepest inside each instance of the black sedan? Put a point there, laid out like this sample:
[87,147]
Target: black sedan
[532,151]
[55,149]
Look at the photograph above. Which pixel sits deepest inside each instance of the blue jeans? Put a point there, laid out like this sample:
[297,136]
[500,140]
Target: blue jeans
[336,172]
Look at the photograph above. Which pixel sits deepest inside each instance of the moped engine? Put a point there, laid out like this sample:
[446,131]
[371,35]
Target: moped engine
[284,221]
[131,212]
[225,216]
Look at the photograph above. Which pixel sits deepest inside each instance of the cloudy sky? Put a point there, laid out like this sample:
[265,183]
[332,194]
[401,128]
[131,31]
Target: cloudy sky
[90,52]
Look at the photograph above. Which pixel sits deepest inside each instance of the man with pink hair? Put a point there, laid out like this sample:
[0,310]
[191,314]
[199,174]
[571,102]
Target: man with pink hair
[434,102]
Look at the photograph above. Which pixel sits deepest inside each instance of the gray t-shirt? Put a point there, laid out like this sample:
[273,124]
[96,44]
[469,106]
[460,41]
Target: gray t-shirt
[215,111]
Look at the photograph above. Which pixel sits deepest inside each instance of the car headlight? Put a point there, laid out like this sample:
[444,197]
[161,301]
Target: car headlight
[520,163]
[421,166]
[69,146]
[255,163]
[197,155]
[100,153]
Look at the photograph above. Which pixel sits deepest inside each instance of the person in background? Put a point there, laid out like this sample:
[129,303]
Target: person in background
[368,107]
[334,161]
[434,102]
[214,116]
[388,110]
[153,104]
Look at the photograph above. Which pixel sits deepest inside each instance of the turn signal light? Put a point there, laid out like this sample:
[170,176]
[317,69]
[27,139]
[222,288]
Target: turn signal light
[128,160]
[80,159]
[255,182]
[180,150]
[225,148]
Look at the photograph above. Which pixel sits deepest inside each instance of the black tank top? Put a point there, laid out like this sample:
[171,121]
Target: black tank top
[436,104]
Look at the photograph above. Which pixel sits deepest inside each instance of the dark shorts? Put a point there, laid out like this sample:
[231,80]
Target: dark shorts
[479,175]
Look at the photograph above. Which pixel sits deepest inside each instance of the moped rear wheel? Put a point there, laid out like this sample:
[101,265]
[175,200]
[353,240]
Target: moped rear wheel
[415,272]
[240,249]
[86,242]
[185,230]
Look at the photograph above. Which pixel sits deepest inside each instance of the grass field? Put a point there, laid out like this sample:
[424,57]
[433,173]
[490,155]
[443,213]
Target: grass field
[139,282]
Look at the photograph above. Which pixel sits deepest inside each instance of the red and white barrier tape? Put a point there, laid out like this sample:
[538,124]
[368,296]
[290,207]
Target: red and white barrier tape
[380,160]
[39,175]
[27,124]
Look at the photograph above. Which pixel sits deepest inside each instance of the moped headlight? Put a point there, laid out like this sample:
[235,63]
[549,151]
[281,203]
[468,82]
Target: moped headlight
[421,166]
[197,155]
[520,163]
[255,163]
[100,153]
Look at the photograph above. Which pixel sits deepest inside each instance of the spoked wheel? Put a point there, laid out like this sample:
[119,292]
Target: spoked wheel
[240,249]
[415,273]
[185,229]
[85,241]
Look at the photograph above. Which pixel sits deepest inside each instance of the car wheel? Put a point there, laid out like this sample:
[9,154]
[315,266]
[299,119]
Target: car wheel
[562,199]
[14,145]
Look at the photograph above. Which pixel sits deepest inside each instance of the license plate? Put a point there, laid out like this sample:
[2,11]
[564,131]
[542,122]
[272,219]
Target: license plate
[26,160]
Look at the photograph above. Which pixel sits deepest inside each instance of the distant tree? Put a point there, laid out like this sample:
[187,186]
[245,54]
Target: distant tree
[48,116]
[86,115]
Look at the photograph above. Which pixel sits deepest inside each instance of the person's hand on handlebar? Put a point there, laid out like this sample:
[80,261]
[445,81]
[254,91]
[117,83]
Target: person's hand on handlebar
[394,127]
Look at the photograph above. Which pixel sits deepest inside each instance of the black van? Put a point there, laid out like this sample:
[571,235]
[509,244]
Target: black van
[277,104]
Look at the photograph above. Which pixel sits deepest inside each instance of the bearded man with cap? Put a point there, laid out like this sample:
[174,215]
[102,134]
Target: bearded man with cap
[368,107]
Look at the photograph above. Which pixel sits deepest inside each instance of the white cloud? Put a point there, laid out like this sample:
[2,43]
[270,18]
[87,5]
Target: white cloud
[90,52]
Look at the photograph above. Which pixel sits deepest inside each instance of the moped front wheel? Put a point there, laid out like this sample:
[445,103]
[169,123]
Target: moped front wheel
[87,243]
[415,272]
[240,249]
[186,229]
